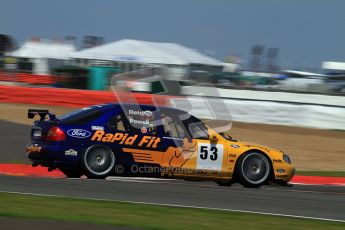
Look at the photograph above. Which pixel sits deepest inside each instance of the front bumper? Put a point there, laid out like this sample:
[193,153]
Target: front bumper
[284,172]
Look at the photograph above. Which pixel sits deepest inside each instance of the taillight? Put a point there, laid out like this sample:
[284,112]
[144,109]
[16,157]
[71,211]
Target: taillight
[55,134]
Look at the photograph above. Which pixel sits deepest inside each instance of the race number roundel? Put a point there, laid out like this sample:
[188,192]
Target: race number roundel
[210,156]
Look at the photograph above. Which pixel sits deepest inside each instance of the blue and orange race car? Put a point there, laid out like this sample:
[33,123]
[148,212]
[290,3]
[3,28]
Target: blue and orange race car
[129,139]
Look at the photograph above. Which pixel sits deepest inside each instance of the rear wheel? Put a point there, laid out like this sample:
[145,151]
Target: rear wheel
[253,169]
[98,162]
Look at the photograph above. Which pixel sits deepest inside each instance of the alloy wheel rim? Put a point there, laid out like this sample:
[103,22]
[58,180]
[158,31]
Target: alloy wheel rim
[255,168]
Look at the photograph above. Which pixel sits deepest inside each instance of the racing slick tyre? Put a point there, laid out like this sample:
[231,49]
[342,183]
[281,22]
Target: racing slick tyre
[98,162]
[253,169]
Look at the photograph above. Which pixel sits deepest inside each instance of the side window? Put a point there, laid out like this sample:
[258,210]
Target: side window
[169,127]
[196,128]
[198,131]
[181,131]
[84,118]
[116,123]
[172,127]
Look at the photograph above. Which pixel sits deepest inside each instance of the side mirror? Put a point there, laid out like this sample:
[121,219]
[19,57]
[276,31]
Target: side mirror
[213,139]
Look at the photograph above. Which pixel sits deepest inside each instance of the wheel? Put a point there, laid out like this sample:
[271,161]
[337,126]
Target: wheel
[98,162]
[71,173]
[253,169]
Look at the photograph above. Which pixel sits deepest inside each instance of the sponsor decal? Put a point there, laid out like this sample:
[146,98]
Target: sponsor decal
[173,138]
[33,148]
[145,122]
[142,113]
[281,170]
[277,161]
[144,130]
[71,152]
[37,133]
[95,127]
[235,146]
[78,133]
[121,138]
[232,155]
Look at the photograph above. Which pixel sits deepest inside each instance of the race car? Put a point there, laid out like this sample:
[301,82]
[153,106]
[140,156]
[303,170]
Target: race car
[145,140]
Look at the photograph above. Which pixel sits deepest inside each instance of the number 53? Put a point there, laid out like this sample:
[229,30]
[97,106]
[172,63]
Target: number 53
[204,153]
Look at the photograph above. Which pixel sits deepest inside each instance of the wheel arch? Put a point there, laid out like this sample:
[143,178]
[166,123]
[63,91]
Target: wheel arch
[97,145]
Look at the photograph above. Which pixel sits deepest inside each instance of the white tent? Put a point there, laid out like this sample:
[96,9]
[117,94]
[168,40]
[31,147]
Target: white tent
[331,65]
[40,52]
[127,50]
[44,49]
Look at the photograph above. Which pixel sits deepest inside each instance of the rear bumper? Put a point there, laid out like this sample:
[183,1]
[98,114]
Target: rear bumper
[53,155]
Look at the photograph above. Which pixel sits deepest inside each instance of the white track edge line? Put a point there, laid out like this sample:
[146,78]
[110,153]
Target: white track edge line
[177,205]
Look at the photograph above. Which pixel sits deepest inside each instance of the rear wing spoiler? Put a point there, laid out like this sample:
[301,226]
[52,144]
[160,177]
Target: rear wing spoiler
[42,113]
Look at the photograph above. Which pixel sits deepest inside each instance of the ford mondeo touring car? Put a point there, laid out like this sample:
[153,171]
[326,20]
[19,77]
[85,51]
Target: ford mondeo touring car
[126,139]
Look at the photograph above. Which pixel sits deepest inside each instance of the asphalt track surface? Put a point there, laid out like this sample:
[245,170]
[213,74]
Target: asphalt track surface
[14,138]
[324,202]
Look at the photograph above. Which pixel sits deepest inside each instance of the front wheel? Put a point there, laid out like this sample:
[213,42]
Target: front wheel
[98,162]
[253,169]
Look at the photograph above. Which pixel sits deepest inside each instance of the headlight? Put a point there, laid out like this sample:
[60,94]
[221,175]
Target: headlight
[286,158]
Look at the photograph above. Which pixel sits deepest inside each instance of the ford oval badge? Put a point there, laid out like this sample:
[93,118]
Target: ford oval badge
[78,133]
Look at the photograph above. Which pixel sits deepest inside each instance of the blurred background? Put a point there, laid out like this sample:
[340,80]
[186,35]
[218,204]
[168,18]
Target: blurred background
[273,73]
[268,46]
[267,63]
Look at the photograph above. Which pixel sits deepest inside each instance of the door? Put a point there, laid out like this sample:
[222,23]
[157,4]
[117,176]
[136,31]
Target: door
[140,123]
[211,149]
[191,153]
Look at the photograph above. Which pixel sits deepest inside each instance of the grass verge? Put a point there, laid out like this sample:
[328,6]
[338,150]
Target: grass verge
[146,216]
[321,173]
